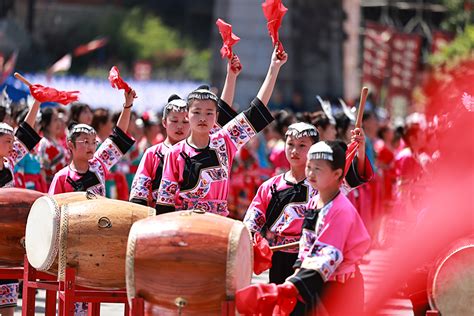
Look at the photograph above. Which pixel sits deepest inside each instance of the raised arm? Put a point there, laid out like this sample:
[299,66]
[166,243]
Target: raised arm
[32,113]
[278,60]
[124,118]
[234,67]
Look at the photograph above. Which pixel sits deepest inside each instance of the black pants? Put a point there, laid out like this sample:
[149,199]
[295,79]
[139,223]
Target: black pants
[282,266]
[417,292]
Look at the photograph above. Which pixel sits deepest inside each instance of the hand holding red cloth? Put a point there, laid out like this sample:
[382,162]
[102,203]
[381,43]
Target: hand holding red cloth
[262,254]
[47,94]
[274,11]
[229,39]
[116,81]
[266,299]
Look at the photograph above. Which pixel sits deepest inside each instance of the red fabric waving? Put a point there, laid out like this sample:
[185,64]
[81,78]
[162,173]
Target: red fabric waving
[266,299]
[229,39]
[274,11]
[350,154]
[262,254]
[47,94]
[116,81]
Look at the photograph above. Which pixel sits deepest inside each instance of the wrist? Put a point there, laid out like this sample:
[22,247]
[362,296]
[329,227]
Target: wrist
[125,106]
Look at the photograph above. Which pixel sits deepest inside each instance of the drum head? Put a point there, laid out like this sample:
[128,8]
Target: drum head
[451,282]
[42,233]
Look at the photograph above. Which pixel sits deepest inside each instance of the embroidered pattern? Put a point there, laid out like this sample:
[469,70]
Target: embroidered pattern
[254,219]
[166,192]
[214,207]
[108,153]
[141,187]
[8,294]
[323,258]
[19,151]
[240,130]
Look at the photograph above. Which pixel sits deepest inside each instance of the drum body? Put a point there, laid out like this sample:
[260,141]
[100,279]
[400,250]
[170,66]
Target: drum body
[451,280]
[187,262]
[92,239]
[15,206]
[42,229]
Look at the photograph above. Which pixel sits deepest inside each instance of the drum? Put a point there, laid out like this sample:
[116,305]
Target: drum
[187,262]
[47,207]
[91,237]
[451,280]
[15,205]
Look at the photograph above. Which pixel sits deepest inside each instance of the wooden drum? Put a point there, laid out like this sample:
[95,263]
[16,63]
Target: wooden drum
[15,206]
[92,238]
[187,262]
[451,280]
[41,230]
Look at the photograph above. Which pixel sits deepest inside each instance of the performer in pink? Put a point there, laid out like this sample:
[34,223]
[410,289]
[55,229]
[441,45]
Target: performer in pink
[196,170]
[89,167]
[334,239]
[13,147]
[175,120]
[278,209]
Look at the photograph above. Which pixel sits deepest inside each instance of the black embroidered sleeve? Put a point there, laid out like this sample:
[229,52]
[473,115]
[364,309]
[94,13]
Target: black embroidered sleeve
[353,178]
[27,135]
[226,113]
[258,115]
[122,140]
[163,209]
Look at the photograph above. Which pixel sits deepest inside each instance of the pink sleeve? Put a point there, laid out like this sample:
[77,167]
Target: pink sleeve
[57,185]
[255,215]
[141,186]
[169,181]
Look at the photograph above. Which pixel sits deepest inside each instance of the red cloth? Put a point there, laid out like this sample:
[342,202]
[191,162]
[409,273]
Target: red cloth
[116,81]
[229,39]
[274,11]
[262,254]
[350,154]
[47,94]
[266,299]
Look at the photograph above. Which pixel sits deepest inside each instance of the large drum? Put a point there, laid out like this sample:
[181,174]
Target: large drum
[187,262]
[48,207]
[451,280]
[91,237]
[15,205]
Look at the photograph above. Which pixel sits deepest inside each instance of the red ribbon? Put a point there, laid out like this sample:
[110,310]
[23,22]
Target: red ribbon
[274,11]
[116,81]
[229,39]
[47,94]
[262,254]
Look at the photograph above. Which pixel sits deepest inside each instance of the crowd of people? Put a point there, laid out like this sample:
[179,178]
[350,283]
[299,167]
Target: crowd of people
[283,173]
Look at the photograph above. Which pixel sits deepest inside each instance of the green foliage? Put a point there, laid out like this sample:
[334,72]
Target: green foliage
[458,15]
[461,47]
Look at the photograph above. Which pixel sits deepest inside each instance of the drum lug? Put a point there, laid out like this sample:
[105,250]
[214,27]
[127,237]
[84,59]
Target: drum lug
[104,222]
[180,302]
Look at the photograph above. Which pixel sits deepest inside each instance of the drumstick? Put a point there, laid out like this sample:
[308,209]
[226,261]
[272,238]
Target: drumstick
[22,79]
[286,246]
[360,113]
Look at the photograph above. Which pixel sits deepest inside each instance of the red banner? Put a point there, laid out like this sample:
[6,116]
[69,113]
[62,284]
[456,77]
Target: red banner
[440,39]
[405,56]
[376,56]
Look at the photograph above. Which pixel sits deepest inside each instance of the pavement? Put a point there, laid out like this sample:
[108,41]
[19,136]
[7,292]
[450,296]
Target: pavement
[372,271]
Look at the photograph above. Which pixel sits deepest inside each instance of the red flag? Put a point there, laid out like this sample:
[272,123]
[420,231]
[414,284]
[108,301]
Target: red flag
[262,254]
[116,81]
[62,64]
[274,11]
[89,47]
[229,39]
[47,94]
[9,67]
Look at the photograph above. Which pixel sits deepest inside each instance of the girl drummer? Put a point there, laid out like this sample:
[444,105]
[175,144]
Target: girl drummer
[196,170]
[278,209]
[89,167]
[148,177]
[13,147]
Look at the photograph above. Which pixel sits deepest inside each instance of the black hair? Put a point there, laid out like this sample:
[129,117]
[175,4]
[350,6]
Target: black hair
[338,154]
[46,117]
[283,119]
[320,120]
[76,109]
[3,113]
[342,124]
[207,94]
[382,130]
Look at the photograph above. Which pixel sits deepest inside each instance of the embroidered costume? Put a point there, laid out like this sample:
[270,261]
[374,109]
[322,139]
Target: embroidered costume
[199,178]
[106,156]
[53,157]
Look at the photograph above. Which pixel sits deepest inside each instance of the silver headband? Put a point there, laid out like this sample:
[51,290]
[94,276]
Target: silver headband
[301,129]
[6,129]
[81,128]
[177,105]
[202,94]
[320,151]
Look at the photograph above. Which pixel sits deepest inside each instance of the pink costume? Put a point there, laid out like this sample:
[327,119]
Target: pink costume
[105,157]
[199,178]
[25,139]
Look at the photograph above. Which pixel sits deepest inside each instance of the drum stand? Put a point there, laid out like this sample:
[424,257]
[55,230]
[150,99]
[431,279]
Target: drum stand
[432,313]
[138,307]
